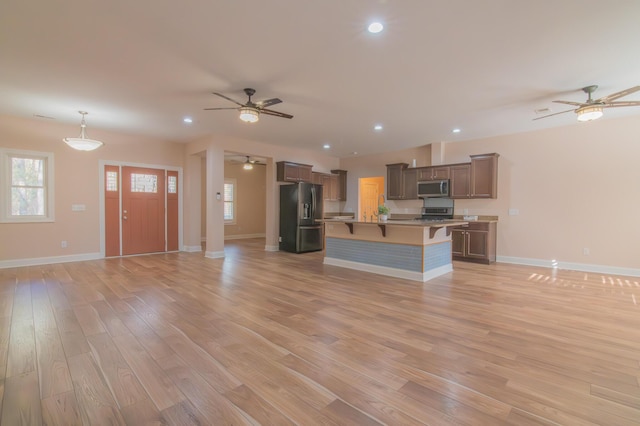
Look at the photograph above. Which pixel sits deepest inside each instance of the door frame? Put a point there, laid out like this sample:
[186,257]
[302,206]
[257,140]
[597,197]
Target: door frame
[101,195]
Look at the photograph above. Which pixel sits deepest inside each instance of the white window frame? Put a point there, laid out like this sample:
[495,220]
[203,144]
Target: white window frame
[234,182]
[5,187]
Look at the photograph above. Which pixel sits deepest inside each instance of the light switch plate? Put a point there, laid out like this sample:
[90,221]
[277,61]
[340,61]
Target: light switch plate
[78,207]
[514,212]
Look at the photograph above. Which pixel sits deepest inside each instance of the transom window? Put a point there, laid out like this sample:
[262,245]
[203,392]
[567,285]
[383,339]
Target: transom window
[27,189]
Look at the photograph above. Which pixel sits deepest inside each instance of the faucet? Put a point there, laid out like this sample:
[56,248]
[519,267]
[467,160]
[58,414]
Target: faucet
[379,197]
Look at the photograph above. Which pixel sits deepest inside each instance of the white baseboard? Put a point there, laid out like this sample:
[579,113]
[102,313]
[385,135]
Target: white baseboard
[243,236]
[49,260]
[390,272]
[271,248]
[214,254]
[192,249]
[585,267]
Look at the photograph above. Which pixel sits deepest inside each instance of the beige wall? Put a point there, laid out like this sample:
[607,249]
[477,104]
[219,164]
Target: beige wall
[251,201]
[575,187]
[76,182]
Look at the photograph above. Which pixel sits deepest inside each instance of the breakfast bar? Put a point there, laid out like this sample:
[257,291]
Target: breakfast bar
[410,249]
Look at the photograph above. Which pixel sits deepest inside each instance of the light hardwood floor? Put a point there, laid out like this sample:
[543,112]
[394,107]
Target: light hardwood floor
[278,338]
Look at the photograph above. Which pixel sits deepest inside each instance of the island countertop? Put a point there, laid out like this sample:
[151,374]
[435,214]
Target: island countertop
[435,225]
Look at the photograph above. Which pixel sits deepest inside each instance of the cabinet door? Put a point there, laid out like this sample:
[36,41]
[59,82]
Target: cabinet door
[290,173]
[410,183]
[484,176]
[326,187]
[477,244]
[341,193]
[440,172]
[424,173]
[395,184]
[316,178]
[333,182]
[457,242]
[460,181]
[304,173]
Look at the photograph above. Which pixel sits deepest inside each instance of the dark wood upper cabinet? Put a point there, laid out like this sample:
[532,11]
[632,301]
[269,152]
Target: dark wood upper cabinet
[395,181]
[460,177]
[484,176]
[341,194]
[334,185]
[410,177]
[433,173]
[293,172]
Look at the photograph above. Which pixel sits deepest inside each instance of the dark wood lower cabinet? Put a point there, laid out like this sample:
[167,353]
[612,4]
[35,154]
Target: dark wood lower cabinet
[475,242]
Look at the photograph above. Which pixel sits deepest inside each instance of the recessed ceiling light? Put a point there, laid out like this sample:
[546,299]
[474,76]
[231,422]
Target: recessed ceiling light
[326,146]
[354,152]
[188,120]
[377,127]
[375,27]
[456,130]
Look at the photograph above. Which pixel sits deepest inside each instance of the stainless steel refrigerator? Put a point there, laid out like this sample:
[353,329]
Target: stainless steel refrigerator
[301,217]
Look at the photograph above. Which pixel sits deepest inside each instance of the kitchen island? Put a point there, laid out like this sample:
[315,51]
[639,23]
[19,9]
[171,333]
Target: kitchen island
[410,249]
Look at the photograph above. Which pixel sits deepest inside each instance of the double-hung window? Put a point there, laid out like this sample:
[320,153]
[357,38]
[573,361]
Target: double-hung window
[26,192]
[230,201]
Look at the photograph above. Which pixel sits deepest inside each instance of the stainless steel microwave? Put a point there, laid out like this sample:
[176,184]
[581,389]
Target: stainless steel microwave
[433,188]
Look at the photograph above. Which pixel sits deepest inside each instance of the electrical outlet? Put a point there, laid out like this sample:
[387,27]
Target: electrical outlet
[63,244]
[586,251]
[514,212]
[465,211]
[279,239]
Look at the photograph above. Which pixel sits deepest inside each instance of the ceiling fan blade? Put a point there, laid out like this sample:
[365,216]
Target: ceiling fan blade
[215,109]
[551,115]
[275,113]
[578,104]
[621,104]
[617,95]
[228,98]
[269,102]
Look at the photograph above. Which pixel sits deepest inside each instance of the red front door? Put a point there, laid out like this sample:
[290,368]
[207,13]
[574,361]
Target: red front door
[143,210]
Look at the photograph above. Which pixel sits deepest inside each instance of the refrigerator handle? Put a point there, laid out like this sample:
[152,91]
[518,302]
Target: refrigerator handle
[313,201]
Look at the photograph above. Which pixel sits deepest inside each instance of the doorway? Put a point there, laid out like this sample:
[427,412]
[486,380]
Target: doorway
[369,190]
[141,210]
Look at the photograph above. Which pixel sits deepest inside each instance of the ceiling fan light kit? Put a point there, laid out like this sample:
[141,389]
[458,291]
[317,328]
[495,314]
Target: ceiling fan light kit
[247,164]
[249,115]
[83,143]
[589,113]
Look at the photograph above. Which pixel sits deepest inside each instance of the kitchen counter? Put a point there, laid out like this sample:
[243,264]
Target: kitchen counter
[411,249]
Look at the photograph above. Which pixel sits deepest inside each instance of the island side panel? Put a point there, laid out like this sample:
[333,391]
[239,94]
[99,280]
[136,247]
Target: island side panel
[404,251]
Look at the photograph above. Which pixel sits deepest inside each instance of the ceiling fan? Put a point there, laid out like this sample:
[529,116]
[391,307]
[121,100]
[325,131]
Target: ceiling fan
[250,111]
[592,108]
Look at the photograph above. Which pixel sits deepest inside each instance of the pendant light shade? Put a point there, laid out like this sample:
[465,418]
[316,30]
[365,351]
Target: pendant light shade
[83,143]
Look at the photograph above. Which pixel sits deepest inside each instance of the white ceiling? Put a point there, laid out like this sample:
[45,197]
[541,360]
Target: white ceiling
[140,66]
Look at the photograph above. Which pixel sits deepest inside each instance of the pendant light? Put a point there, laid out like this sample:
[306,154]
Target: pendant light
[83,143]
